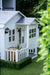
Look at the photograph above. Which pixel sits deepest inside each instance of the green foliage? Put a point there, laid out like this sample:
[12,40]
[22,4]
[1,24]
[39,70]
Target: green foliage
[18,46]
[44,40]
[34,68]
[42,4]
[16,65]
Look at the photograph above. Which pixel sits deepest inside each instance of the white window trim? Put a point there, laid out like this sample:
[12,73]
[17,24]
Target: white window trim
[12,36]
[32,33]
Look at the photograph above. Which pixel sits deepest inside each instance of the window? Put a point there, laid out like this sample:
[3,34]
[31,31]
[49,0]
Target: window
[20,35]
[13,38]
[23,36]
[11,35]
[13,31]
[9,39]
[32,33]
[23,39]
[9,32]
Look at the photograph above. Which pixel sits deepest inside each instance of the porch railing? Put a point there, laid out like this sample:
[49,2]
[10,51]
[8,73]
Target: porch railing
[16,55]
[23,53]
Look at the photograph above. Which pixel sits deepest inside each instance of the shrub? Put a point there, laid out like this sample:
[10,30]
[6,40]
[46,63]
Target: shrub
[44,40]
[16,65]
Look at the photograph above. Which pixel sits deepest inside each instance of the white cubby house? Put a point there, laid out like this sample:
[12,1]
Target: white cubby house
[18,34]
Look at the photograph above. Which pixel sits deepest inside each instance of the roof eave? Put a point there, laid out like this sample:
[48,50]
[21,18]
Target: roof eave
[10,18]
[37,20]
[22,24]
[14,15]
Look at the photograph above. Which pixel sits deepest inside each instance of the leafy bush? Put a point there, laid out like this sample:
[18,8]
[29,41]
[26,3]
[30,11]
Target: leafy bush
[16,65]
[44,40]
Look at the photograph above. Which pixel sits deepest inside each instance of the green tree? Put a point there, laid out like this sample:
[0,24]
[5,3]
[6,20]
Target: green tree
[42,4]
[44,40]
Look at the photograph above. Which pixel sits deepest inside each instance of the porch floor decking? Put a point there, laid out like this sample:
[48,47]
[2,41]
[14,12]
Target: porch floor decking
[32,55]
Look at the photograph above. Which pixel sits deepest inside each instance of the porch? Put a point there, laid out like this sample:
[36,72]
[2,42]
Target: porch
[33,55]
[16,55]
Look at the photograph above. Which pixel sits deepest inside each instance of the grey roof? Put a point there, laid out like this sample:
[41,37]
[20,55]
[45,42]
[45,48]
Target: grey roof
[26,21]
[7,15]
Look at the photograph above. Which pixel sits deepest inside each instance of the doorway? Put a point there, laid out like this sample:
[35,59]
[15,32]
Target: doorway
[21,37]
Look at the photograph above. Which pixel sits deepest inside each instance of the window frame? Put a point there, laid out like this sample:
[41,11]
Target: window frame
[12,35]
[22,39]
[9,35]
[32,33]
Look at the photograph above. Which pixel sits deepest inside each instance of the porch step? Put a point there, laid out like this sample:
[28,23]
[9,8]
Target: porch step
[33,55]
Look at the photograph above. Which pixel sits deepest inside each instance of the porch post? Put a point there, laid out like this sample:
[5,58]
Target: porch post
[16,55]
[27,40]
[27,36]
[36,50]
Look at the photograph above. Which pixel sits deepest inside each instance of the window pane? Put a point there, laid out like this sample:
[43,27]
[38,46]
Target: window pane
[22,39]
[13,38]
[9,32]
[9,39]
[35,30]
[34,34]
[29,36]
[13,31]
[30,31]
[20,35]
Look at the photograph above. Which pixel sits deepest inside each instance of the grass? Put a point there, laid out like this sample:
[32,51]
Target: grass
[35,68]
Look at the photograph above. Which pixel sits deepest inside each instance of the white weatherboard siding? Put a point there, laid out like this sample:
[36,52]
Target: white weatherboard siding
[12,25]
[33,42]
[23,45]
[2,43]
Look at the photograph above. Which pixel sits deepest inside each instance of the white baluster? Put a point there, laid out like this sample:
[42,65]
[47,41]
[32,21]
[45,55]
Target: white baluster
[10,55]
[13,55]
